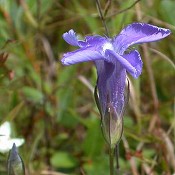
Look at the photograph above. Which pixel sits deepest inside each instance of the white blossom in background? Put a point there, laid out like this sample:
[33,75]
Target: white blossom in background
[6,142]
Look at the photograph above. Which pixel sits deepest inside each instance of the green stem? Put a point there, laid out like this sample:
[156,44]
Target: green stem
[117,159]
[102,17]
[111,160]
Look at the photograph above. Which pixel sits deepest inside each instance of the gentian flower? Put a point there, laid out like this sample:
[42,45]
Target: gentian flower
[112,61]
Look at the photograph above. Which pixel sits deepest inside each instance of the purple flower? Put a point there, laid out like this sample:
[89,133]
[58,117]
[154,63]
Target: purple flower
[111,60]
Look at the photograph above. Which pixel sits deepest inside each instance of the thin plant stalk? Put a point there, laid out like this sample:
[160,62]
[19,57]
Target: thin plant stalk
[117,159]
[111,160]
[102,17]
[114,153]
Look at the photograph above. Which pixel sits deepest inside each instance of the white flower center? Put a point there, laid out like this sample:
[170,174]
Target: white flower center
[107,45]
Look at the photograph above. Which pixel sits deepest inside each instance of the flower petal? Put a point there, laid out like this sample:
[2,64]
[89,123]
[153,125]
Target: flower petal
[116,88]
[134,59]
[124,62]
[92,41]
[104,71]
[138,33]
[95,40]
[111,86]
[81,55]
[71,38]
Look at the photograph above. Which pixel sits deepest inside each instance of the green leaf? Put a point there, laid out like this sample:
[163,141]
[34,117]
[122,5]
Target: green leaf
[33,94]
[63,160]
[93,167]
[94,141]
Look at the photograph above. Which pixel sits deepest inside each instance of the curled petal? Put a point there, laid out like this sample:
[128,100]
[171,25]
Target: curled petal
[139,33]
[135,60]
[124,62]
[71,38]
[80,55]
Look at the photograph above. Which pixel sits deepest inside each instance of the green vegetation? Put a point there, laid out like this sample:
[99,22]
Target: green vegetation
[52,107]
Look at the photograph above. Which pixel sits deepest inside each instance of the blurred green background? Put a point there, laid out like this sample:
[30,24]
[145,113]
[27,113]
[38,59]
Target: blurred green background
[52,107]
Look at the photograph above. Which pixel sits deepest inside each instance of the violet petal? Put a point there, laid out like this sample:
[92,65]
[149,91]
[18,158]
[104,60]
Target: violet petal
[134,59]
[124,62]
[104,72]
[71,38]
[116,87]
[81,55]
[138,33]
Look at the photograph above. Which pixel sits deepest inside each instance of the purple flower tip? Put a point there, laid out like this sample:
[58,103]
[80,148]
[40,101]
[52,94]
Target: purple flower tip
[71,38]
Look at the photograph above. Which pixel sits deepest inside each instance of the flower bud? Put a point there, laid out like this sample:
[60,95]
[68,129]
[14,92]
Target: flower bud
[15,165]
[112,126]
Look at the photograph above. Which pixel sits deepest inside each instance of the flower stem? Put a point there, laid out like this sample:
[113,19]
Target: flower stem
[111,160]
[117,158]
[102,17]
